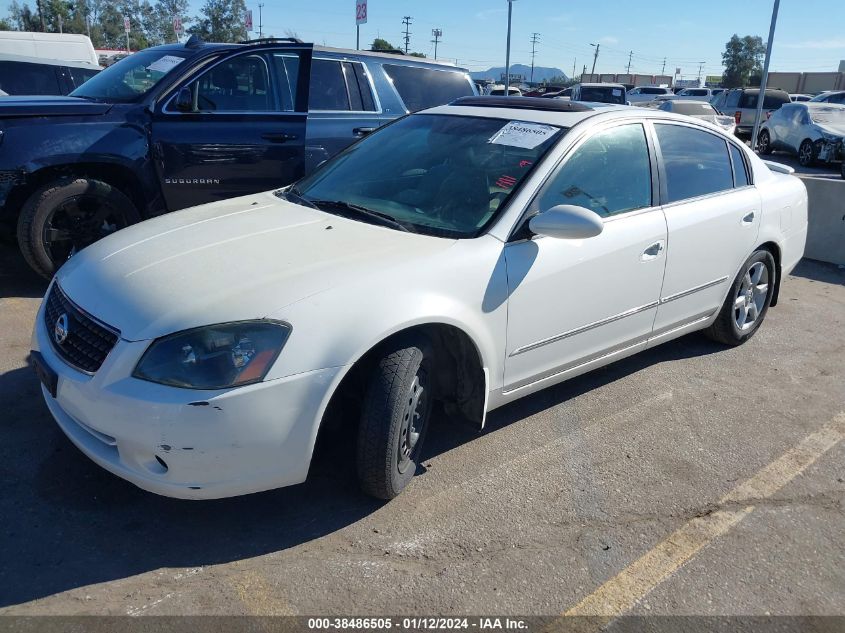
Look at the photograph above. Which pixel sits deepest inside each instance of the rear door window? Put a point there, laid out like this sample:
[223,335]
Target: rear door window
[340,86]
[81,75]
[422,88]
[696,162]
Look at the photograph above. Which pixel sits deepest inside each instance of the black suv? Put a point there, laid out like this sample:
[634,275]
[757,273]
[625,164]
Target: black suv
[179,125]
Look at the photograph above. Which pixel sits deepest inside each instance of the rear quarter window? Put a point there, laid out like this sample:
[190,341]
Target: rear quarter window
[422,88]
[22,78]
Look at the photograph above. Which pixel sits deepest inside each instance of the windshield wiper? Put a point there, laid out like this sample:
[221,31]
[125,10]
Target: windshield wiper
[340,206]
[294,196]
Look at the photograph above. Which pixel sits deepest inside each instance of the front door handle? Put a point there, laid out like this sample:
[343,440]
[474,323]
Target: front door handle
[278,137]
[652,252]
[362,131]
[748,218]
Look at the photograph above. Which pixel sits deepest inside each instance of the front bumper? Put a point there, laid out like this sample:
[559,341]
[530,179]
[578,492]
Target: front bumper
[185,443]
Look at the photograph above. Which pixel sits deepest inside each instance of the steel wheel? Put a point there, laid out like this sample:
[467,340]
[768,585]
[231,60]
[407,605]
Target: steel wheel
[751,296]
[414,416]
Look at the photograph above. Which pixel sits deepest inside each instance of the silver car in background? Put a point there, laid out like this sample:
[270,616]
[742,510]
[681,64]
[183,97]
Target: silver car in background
[813,131]
[699,110]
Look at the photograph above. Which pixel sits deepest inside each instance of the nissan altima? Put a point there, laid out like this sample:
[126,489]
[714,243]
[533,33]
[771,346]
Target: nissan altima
[466,255]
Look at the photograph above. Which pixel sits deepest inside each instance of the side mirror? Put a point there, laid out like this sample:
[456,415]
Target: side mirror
[184,100]
[567,221]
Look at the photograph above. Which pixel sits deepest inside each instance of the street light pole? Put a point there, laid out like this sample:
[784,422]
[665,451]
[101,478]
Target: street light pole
[508,52]
[595,58]
[765,78]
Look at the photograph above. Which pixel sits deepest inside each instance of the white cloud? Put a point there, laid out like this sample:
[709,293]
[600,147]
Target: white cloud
[825,44]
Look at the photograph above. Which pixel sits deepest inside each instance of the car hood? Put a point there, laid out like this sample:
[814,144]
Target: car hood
[836,130]
[244,258]
[12,106]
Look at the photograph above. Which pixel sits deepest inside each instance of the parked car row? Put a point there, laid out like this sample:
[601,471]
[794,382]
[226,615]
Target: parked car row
[175,126]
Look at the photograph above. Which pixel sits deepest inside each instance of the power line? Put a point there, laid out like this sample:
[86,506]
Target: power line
[407,22]
[535,38]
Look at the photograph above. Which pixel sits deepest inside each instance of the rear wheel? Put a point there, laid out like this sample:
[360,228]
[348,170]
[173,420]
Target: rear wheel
[63,217]
[806,153]
[764,143]
[747,302]
[394,419]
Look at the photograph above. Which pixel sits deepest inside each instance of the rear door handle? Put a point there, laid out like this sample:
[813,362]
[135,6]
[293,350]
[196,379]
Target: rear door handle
[362,131]
[652,252]
[748,218]
[278,137]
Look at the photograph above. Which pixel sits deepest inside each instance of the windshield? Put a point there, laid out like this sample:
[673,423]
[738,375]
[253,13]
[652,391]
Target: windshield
[603,95]
[130,78]
[436,174]
[831,115]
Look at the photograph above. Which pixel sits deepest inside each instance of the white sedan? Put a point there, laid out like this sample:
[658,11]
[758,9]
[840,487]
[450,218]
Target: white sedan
[469,254]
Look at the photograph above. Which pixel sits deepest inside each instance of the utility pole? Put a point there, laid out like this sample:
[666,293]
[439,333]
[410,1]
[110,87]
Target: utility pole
[61,25]
[758,116]
[508,52]
[260,23]
[437,33]
[573,68]
[583,72]
[535,38]
[407,22]
[663,70]
[630,55]
[700,64]
[595,58]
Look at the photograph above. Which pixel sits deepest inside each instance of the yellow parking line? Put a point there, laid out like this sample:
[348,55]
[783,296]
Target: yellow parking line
[632,584]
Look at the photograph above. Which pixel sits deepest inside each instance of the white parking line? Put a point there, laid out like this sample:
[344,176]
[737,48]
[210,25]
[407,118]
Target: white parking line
[632,584]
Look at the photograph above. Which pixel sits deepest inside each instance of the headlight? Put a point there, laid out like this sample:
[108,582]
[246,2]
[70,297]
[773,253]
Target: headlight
[831,138]
[214,356]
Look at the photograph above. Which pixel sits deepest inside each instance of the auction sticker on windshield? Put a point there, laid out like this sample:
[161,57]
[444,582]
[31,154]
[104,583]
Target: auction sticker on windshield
[522,134]
[165,63]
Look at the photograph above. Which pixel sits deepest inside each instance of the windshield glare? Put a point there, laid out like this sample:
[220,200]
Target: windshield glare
[442,175]
[130,78]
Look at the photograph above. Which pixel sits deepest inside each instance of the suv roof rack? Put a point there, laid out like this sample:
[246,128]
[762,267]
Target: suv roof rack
[265,40]
[523,103]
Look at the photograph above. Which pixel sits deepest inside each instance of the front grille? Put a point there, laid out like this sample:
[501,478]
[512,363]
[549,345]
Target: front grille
[87,341]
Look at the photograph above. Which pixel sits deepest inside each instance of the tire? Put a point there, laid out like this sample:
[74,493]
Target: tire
[806,153]
[399,391]
[764,143]
[64,216]
[747,302]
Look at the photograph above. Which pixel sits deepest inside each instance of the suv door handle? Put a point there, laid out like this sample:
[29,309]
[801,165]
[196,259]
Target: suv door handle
[278,137]
[362,131]
[748,218]
[652,252]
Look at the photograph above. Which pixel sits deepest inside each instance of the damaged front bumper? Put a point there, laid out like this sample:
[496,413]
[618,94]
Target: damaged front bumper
[830,151]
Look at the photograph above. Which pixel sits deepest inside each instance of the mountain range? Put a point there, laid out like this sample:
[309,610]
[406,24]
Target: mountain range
[541,73]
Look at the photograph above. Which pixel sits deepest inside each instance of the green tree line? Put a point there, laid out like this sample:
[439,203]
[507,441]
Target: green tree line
[151,21]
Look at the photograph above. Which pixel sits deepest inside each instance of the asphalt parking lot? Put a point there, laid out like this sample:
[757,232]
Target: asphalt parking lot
[736,452]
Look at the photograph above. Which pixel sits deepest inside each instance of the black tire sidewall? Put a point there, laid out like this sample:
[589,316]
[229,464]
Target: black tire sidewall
[769,261]
[43,202]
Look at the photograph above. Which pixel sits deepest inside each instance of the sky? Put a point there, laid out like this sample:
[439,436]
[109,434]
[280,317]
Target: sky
[809,35]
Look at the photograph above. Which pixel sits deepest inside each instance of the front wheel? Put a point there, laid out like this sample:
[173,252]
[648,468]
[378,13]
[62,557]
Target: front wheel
[397,407]
[63,217]
[747,302]
[806,153]
[764,143]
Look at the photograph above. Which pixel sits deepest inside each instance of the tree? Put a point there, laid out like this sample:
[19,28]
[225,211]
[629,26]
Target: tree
[416,54]
[23,18]
[380,44]
[742,57]
[221,21]
[160,26]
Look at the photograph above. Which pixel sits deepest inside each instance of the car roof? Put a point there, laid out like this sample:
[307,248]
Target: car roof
[6,57]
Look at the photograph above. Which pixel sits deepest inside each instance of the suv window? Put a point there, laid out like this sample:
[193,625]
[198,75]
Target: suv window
[339,85]
[22,78]
[654,91]
[772,100]
[696,162]
[609,173]
[240,84]
[81,75]
[732,100]
[422,88]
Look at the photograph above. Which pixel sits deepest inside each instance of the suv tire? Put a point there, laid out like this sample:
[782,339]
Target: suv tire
[64,216]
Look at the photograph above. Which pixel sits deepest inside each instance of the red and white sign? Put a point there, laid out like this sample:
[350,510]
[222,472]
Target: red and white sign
[177,24]
[248,21]
[360,11]
[126,25]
